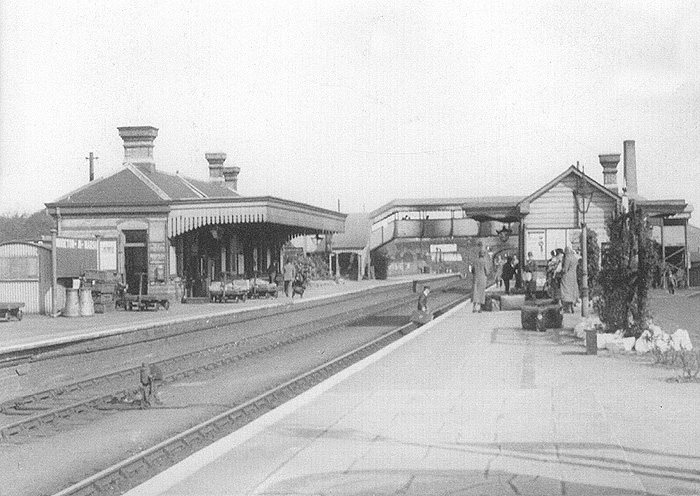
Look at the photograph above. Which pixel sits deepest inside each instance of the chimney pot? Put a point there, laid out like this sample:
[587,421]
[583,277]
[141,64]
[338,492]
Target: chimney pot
[138,145]
[609,162]
[216,166]
[231,177]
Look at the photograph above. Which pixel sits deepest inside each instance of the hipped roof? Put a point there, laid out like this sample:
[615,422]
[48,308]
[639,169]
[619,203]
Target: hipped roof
[136,185]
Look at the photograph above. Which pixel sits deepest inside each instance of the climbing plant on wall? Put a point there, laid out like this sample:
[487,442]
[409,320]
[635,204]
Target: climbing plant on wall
[628,264]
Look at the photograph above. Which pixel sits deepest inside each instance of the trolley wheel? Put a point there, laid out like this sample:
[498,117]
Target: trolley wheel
[19,314]
[166,305]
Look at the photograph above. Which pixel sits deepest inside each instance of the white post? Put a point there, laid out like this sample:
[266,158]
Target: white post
[54,276]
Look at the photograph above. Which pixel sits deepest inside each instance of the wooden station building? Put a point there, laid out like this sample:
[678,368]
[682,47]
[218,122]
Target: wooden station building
[174,228]
[445,234]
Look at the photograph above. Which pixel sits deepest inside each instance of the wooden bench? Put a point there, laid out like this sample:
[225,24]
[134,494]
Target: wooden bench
[13,309]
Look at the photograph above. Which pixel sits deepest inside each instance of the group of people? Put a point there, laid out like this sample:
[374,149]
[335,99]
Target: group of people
[508,269]
[561,281]
[288,275]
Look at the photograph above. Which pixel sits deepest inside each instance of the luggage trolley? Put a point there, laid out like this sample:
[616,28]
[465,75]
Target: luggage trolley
[229,290]
[141,301]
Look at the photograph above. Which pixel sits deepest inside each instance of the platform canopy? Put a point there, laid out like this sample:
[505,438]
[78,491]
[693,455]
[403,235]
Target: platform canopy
[301,218]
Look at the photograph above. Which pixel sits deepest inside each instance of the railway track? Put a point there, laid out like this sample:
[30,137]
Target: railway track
[140,467]
[40,411]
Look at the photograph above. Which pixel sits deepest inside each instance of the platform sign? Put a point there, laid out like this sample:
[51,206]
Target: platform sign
[108,254]
[75,256]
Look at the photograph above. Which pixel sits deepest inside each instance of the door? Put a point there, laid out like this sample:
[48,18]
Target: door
[136,260]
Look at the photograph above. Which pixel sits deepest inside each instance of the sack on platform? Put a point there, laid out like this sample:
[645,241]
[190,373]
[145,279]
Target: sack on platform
[420,317]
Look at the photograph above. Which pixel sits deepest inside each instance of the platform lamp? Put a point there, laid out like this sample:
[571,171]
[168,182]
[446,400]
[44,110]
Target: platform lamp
[504,233]
[583,194]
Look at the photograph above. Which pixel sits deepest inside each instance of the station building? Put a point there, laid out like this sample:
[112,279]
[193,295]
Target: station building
[445,234]
[177,230]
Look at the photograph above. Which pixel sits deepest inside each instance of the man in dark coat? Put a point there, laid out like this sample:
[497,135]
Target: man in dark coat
[507,273]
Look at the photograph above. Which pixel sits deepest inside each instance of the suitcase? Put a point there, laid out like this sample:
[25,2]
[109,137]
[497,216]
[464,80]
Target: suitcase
[541,317]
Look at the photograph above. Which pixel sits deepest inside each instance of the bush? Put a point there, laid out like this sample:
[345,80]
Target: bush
[380,260]
[629,262]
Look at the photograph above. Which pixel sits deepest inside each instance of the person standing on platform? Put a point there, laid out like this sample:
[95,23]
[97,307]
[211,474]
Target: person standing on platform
[507,273]
[569,280]
[479,273]
[272,272]
[498,263]
[290,272]
[517,272]
[530,276]
[670,280]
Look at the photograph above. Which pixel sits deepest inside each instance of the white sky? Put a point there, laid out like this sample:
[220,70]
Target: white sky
[358,101]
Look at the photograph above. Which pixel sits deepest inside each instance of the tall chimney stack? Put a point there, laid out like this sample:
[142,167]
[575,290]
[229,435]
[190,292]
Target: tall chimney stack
[216,166]
[231,177]
[609,162]
[138,145]
[630,164]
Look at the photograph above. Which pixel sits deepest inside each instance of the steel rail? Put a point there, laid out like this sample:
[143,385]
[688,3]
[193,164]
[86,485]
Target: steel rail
[120,476]
[49,415]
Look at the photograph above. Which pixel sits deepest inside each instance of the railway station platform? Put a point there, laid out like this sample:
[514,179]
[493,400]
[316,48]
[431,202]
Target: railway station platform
[468,404]
[40,331]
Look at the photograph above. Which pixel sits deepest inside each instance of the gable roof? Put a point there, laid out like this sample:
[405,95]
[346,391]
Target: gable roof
[571,170]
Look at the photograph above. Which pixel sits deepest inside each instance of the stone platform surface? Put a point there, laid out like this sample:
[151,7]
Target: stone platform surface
[469,404]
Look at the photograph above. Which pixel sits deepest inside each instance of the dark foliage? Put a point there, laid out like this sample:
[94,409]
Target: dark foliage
[629,262]
[380,259]
[593,261]
[16,227]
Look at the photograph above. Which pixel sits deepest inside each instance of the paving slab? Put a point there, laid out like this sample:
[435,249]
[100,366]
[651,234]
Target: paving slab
[468,404]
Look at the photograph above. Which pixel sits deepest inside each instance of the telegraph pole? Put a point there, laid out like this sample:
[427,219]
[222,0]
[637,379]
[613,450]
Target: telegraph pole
[91,158]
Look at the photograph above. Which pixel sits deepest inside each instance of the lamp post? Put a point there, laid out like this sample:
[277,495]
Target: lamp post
[583,196]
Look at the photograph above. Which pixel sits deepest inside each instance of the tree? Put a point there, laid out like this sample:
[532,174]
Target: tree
[14,227]
[629,262]
[380,260]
